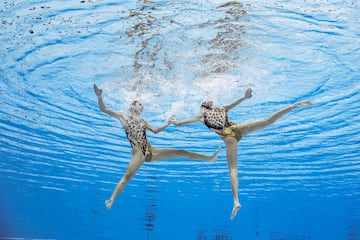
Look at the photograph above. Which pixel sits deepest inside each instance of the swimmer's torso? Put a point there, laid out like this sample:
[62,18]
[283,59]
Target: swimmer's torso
[216,119]
[135,129]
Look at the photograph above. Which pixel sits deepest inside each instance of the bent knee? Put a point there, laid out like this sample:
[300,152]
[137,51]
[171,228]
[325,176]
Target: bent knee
[182,152]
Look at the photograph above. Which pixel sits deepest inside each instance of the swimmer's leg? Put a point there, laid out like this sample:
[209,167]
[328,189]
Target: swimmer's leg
[168,153]
[231,156]
[252,126]
[135,163]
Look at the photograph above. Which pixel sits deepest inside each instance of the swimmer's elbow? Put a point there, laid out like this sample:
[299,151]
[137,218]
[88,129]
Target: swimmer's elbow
[179,124]
[155,131]
[176,123]
[102,106]
[109,112]
[104,109]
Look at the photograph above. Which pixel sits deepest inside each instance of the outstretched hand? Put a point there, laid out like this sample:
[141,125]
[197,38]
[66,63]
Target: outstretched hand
[248,93]
[171,120]
[97,90]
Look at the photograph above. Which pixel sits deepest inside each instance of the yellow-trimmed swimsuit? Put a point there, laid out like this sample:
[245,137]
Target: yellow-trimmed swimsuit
[148,154]
[231,131]
[135,129]
[217,120]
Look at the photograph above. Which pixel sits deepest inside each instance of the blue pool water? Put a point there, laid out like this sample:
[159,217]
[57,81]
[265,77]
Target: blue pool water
[61,157]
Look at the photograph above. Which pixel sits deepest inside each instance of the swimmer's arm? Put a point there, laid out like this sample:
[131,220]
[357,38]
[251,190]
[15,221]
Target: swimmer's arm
[234,104]
[103,108]
[157,130]
[188,121]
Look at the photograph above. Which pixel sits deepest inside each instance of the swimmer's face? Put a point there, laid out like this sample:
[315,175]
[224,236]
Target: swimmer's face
[136,108]
[206,105]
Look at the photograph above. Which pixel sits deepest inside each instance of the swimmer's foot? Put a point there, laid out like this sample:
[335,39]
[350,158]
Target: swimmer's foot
[235,210]
[215,155]
[108,203]
[305,103]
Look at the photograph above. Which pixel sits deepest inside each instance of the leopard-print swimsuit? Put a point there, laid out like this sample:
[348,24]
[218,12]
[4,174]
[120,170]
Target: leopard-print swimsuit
[135,129]
[217,119]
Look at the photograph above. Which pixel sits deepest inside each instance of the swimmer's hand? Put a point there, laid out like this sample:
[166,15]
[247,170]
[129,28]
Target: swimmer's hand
[248,93]
[98,91]
[172,120]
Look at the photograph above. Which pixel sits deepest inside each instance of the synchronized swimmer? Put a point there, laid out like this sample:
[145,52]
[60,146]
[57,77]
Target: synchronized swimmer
[216,119]
[142,151]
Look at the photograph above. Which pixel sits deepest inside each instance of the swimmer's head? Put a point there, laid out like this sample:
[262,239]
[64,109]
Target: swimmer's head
[136,108]
[207,105]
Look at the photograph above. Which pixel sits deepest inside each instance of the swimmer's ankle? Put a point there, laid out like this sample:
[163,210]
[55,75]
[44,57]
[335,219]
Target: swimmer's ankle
[108,203]
[304,103]
[235,209]
[215,155]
